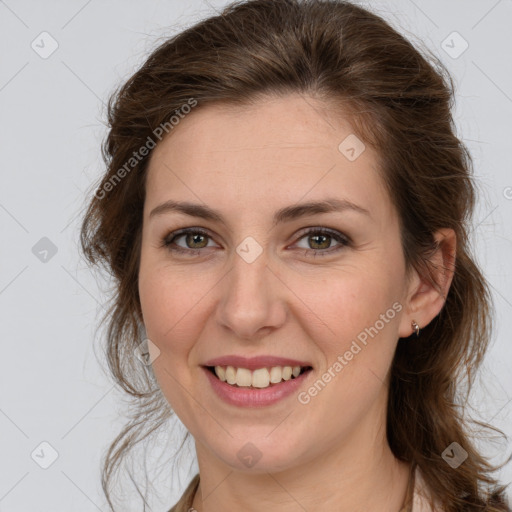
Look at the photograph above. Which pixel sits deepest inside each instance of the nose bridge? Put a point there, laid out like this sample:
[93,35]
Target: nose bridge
[251,300]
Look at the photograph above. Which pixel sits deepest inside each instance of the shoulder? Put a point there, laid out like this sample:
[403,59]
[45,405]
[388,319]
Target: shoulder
[186,500]
[424,501]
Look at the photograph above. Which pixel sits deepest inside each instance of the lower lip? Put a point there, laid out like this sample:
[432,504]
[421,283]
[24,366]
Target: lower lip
[254,397]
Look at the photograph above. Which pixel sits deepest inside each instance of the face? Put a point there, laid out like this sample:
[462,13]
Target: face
[320,289]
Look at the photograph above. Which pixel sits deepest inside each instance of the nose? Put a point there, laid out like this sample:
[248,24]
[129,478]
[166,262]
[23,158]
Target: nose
[252,303]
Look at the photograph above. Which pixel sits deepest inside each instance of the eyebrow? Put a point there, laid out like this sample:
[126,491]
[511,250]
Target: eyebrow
[285,214]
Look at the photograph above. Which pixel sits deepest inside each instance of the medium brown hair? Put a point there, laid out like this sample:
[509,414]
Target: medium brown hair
[399,101]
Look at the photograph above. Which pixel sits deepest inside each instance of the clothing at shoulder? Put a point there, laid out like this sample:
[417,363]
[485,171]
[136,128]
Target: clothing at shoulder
[420,498]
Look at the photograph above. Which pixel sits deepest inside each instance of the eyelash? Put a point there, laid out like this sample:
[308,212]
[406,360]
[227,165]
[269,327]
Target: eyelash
[168,241]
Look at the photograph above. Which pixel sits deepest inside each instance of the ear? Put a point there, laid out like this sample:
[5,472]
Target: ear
[425,300]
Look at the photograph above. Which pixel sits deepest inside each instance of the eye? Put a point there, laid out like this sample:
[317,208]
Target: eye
[195,240]
[320,239]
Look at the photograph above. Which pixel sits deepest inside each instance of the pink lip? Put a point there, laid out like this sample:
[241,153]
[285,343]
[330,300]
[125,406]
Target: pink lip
[253,397]
[253,363]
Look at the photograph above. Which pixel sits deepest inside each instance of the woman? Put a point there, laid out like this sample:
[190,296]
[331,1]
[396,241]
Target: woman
[286,213]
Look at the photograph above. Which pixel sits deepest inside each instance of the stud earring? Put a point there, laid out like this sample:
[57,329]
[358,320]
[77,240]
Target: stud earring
[416,327]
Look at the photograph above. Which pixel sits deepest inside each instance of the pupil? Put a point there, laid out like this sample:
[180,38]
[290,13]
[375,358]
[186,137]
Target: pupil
[195,238]
[320,236]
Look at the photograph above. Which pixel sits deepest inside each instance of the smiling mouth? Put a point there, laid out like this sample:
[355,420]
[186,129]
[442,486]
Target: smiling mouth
[259,378]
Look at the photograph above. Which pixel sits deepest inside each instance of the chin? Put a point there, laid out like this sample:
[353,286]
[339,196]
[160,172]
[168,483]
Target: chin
[257,454]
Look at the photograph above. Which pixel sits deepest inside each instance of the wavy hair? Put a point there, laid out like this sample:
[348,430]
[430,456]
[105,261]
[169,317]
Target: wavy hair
[399,100]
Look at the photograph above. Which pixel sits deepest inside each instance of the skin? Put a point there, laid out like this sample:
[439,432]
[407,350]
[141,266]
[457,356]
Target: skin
[247,162]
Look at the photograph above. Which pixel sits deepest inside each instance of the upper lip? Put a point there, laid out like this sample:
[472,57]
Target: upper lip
[253,363]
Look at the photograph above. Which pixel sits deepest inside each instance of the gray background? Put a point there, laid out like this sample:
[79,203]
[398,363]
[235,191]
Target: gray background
[53,388]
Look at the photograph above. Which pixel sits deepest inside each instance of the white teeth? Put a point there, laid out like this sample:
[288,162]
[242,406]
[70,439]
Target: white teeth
[260,378]
[243,377]
[230,375]
[221,373]
[276,374]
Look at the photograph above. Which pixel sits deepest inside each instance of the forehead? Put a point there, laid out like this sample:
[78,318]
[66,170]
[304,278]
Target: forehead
[278,150]
[292,123]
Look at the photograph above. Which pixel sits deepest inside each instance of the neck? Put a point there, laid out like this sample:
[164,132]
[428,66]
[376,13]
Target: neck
[361,474]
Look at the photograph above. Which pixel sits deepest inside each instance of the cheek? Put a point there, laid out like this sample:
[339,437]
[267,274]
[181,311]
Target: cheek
[169,301]
[338,308]
[168,312]
[356,330]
